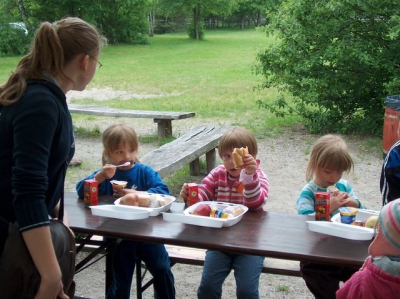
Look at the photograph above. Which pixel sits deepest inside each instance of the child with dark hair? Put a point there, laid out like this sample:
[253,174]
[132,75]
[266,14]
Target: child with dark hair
[247,185]
[379,277]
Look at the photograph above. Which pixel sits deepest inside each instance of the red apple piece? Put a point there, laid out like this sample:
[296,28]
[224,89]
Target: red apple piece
[202,210]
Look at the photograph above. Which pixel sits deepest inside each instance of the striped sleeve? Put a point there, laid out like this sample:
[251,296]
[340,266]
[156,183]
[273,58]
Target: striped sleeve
[306,201]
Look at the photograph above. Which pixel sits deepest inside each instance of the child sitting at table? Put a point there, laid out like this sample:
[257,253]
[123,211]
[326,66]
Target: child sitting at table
[121,145]
[379,277]
[329,159]
[247,185]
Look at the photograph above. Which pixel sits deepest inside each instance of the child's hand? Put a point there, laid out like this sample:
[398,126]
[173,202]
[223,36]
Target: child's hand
[107,172]
[185,193]
[250,164]
[340,200]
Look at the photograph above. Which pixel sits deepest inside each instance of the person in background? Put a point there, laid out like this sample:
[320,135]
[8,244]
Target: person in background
[121,145]
[379,277]
[329,159]
[247,185]
[390,174]
[37,140]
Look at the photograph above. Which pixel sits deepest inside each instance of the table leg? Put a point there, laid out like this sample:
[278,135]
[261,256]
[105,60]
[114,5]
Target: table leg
[164,128]
[138,279]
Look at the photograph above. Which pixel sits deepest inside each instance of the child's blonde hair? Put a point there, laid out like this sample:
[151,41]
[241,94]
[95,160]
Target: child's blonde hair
[238,137]
[331,152]
[116,136]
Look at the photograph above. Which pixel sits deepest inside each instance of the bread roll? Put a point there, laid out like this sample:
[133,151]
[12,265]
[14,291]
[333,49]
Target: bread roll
[138,199]
[238,155]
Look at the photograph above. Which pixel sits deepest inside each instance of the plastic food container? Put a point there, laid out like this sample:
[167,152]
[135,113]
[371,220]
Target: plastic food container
[153,211]
[338,229]
[341,230]
[348,214]
[188,218]
[118,184]
[119,212]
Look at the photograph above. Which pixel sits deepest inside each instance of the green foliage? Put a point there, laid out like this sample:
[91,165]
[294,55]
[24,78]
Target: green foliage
[192,33]
[87,131]
[13,41]
[123,21]
[337,59]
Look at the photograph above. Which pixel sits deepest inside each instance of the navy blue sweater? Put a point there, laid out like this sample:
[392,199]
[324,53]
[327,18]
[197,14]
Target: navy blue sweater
[37,143]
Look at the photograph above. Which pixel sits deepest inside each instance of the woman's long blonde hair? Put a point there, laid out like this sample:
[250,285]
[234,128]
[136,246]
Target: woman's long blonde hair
[331,152]
[53,47]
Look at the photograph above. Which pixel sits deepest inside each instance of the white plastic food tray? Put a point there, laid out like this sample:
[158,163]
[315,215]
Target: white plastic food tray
[153,211]
[187,218]
[119,212]
[342,230]
[361,215]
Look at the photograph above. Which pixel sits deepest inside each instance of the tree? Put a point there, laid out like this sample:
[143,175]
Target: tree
[338,59]
[197,8]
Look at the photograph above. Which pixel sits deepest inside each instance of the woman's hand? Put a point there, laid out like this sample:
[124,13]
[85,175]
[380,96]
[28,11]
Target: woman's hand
[50,289]
[40,247]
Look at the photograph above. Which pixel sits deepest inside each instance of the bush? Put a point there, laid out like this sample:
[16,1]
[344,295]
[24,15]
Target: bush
[333,62]
[192,32]
[14,42]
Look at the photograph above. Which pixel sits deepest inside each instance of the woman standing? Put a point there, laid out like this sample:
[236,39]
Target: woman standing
[37,140]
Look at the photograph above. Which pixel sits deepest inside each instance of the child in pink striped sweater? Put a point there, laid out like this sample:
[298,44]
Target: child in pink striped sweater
[247,185]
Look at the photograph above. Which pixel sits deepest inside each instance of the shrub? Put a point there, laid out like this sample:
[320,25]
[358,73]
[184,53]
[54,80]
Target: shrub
[14,42]
[336,60]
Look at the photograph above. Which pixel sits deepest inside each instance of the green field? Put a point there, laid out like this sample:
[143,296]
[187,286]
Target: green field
[213,78]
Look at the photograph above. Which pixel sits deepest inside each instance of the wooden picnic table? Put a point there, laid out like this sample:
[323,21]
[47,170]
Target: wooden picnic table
[162,118]
[269,234]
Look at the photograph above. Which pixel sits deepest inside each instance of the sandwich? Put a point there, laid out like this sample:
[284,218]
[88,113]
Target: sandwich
[238,155]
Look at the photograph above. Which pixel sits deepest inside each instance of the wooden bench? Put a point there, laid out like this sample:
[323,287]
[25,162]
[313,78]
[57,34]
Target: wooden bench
[187,256]
[162,118]
[196,256]
[188,148]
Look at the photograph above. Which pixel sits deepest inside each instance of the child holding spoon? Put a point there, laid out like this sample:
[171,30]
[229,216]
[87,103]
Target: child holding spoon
[121,145]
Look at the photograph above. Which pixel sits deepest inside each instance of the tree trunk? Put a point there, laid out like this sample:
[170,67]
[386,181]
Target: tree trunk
[23,13]
[151,23]
[196,21]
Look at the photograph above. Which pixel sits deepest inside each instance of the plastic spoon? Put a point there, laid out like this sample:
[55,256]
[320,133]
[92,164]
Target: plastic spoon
[125,164]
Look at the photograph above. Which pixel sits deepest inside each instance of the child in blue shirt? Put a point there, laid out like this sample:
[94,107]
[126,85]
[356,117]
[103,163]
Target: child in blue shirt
[121,145]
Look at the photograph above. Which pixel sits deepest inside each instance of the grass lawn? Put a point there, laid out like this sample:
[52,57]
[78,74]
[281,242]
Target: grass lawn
[213,77]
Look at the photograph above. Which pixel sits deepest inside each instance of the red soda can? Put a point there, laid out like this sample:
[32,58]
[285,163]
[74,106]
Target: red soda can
[91,191]
[322,206]
[193,193]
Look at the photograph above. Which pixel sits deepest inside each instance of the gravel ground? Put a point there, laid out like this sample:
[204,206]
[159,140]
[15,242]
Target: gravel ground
[283,157]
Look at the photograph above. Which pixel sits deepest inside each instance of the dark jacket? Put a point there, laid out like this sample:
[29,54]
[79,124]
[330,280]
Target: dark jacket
[390,175]
[36,146]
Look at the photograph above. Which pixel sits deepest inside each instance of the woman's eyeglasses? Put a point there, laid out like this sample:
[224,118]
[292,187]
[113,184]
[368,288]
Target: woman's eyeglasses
[99,64]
